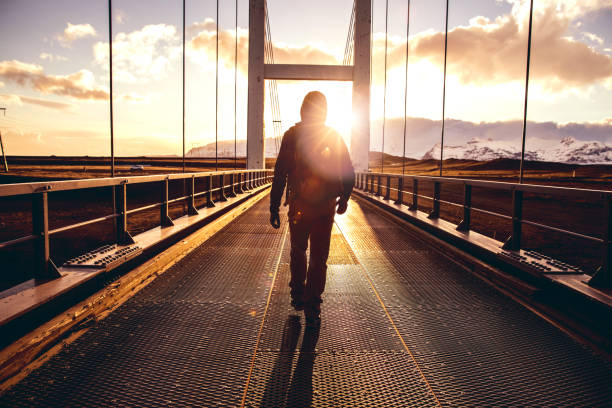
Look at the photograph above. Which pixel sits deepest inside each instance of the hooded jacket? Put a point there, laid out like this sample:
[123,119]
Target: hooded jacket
[312,158]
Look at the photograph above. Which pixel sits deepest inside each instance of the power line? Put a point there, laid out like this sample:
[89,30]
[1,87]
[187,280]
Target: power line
[2,144]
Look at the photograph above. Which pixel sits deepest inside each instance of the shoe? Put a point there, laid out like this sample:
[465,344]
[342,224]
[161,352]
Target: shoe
[297,304]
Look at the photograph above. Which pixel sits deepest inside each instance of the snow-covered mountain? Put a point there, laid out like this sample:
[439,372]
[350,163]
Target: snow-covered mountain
[568,150]
[226,149]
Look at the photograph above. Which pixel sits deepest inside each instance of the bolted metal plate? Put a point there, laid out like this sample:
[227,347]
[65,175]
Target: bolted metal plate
[474,346]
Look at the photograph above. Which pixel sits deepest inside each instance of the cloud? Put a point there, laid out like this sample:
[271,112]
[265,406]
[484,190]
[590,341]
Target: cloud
[51,57]
[120,16]
[486,51]
[142,54]
[79,85]
[202,47]
[73,32]
[19,100]
[133,98]
[594,38]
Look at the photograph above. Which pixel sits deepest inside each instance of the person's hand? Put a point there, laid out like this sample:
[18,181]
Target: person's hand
[275,220]
[342,204]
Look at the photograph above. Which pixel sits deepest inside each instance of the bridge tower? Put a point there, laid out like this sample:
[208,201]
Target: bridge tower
[359,74]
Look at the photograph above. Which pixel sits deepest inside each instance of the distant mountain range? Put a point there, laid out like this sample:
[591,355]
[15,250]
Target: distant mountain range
[568,150]
[575,143]
[226,149]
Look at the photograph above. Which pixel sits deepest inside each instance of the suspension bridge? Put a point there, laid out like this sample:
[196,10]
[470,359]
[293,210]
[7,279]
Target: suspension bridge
[420,309]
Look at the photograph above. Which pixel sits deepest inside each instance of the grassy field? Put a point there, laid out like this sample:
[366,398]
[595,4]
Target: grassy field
[70,207]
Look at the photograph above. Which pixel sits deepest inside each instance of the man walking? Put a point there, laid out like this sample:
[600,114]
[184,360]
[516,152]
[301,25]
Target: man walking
[314,163]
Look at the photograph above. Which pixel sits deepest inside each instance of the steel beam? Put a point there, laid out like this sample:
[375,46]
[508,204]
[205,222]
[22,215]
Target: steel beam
[301,72]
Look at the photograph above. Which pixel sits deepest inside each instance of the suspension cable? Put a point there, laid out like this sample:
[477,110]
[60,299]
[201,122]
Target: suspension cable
[236,88]
[382,153]
[406,88]
[272,84]
[521,171]
[217,95]
[110,79]
[183,86]
[371,58]
[444,90]
[349,37]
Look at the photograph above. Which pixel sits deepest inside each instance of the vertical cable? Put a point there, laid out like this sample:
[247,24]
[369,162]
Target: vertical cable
[217,95]
[350,35]
[110,70]
[183,86]
[371,58]
[382,153]
[444,89]
[236,87]
[406,88]
[526,92]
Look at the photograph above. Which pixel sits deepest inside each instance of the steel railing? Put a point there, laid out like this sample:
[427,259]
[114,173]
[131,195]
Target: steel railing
[229,184]
[377,183]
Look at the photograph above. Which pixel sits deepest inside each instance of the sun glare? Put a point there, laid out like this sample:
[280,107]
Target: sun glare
[339,104]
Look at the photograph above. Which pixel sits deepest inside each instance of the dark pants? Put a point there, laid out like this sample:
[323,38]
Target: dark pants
[306,223]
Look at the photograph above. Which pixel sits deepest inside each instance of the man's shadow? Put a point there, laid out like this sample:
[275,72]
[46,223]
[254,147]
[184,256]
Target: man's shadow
[282,388]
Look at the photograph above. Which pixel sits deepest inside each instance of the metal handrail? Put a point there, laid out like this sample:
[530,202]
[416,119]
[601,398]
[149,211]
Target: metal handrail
[504,185]
[373,183]
[7,190]
[239,182]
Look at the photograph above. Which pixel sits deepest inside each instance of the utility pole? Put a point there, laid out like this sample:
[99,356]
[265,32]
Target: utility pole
[2,145]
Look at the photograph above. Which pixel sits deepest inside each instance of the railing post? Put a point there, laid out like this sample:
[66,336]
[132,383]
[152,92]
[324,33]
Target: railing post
[123,236]
[388,193]
[379,187]
[415,196]
[209,200]
[400,190]
[514,242]
[435,212]
[464,225]
[165,220]
[222,196]
[232,191]
[191,208]
[239,183]
[45,268]
[367,183]
[245,182]
[603,275]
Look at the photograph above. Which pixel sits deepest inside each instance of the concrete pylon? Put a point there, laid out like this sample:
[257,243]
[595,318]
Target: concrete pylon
[360,136]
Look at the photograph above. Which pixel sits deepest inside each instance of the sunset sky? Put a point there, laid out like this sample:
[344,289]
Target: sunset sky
[54,71]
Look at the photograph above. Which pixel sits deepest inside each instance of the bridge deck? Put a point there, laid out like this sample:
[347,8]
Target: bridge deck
[401,326]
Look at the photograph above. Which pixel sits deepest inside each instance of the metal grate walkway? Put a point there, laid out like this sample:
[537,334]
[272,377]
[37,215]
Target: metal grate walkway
[402,326]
